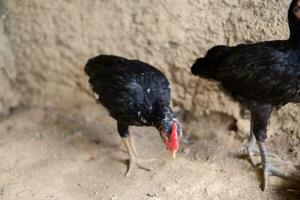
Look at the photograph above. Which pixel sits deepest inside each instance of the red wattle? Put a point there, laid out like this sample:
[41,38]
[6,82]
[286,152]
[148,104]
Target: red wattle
[173,144]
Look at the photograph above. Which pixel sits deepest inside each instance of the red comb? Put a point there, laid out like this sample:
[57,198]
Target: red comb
[174,145]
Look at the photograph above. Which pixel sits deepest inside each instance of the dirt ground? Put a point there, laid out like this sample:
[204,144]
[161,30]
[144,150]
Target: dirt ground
[73,154]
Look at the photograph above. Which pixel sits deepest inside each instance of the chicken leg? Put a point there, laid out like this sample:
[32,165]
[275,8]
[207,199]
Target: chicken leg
[131,141]
[260,115]
[129,144]
[133,159]
[248,149]
[268,169]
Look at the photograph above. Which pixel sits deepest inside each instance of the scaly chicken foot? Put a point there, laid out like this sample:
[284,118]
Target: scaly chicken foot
[131,143]
[248,149]
[134,161]
[268,169]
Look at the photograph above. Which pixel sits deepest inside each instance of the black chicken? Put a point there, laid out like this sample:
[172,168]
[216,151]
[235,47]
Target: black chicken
[262,76]
[134,93]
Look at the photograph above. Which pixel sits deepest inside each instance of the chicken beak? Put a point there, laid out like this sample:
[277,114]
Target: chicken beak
[174,153]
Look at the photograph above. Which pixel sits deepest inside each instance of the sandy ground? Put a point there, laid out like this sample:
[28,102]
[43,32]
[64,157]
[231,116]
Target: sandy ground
[74,154]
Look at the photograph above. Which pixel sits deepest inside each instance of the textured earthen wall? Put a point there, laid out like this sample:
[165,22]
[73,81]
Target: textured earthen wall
[52,40]
[9,97]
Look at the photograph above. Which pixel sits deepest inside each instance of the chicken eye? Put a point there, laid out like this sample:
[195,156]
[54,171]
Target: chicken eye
[297,9]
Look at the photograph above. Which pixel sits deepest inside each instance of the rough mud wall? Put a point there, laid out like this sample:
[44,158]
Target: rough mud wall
[9,97]
[52,41]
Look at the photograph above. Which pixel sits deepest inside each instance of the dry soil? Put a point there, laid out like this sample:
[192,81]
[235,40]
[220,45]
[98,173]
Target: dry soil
[73,154]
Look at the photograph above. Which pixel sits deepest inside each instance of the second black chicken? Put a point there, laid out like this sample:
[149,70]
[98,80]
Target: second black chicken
[135,94]
[261,76]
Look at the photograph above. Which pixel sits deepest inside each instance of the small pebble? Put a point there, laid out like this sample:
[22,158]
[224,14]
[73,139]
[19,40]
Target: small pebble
[196,156]
[92,157]
[187,150]
[152,194]
[93,193]
[38,135]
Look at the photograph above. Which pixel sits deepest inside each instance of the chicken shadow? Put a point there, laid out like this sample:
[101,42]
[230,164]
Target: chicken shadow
[100,131]
[69,124]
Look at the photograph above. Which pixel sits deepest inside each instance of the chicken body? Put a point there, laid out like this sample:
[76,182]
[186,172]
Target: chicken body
[134,93]
[261,76]
[268,73]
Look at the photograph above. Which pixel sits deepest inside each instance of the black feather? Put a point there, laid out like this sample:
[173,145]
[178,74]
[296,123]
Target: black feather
[262,75]
[267,72]
[133,92]
[206,67]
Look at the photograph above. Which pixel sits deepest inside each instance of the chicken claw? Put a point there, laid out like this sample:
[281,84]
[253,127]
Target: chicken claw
[133,159]
[268,169]
[248,150]
[139,163]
